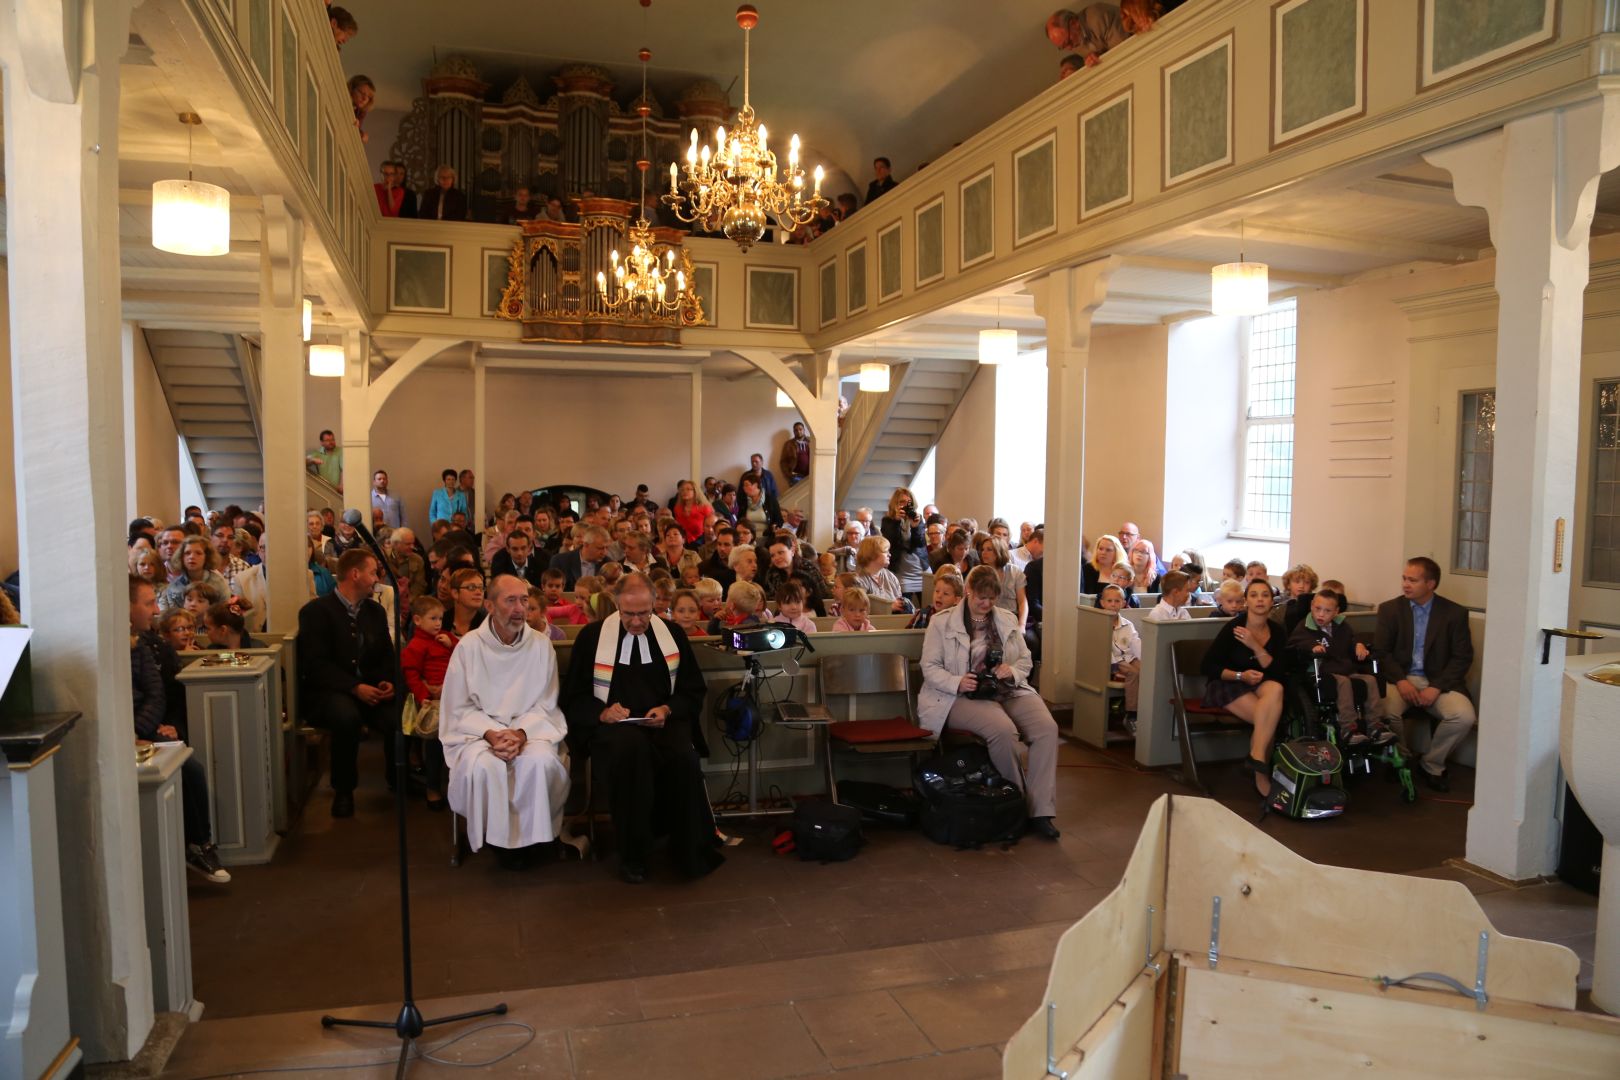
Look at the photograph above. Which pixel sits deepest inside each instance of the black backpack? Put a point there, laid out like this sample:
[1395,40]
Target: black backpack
[966,802]
[827,832]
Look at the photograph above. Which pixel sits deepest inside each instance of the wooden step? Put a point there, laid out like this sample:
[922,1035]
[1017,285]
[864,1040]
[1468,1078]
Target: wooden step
[207,339]
[206,395]
[231,477]
[216,431]
[213,413]
[202,376]
[236,443]
[190,356]
[923,395]
[910,411]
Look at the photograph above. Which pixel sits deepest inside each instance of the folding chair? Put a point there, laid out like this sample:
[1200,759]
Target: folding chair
[869,673]
[1186,660]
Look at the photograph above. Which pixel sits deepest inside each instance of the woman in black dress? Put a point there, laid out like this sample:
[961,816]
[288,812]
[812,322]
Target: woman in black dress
[1243,675]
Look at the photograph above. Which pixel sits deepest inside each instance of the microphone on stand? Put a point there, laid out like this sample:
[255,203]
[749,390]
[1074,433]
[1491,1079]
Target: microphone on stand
[352,518]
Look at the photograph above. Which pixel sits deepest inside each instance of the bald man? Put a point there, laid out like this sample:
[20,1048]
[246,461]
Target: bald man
[502,730]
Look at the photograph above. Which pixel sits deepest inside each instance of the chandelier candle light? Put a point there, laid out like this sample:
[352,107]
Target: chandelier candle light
[734,188]
[190,217]
[640,284]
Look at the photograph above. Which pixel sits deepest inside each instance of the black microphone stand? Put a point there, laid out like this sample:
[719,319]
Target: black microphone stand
[408,1025]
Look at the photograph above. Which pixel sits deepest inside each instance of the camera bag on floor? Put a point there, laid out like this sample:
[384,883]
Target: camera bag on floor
[826,832]
[1307,780]
[881,804]
[966,802]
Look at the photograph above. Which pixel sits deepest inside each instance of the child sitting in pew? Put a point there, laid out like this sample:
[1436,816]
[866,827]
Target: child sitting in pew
[790,599]
[743,603]
[1324,635]
[1233,570]
[687,613]
[710,596]
[535,615]
[179,628]
[1176,588]
[947,594]
[854,609]
[1229,597]
[840,583]
[1298,585]
[1125,656]
[1121,577]
[558,608]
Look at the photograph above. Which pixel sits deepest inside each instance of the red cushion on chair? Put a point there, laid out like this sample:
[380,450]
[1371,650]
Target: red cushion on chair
[1196,706]
[894,729]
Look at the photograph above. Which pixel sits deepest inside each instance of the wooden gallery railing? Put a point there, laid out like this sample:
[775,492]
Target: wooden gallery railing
[551,281]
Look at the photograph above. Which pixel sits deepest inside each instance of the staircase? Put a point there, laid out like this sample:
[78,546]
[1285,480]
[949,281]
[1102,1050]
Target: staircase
[886,436]
[211,381]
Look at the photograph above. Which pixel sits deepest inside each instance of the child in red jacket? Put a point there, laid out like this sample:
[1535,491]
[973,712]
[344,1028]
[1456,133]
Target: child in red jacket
[424,661]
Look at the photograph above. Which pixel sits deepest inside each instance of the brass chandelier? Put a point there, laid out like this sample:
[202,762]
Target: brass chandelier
[734,188]
[640,282]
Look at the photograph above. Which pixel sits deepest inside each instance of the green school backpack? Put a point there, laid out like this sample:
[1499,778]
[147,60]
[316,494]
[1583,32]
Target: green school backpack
[1307,780]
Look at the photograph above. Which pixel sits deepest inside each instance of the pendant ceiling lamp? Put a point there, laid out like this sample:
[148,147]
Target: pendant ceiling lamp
[326,361]
[1239,288]
[875,378]
[190,217]
[998,346]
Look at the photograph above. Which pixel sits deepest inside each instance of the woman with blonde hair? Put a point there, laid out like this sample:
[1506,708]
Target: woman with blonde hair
[902,527]
[873,575]
[691,511]
[195,562]
[1094,573]
[1144,567]
[993,553]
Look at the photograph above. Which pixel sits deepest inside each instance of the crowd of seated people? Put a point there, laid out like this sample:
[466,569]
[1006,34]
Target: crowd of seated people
[716,556]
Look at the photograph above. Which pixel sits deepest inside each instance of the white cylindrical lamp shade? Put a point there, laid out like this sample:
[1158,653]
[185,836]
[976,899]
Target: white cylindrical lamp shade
[191,218]
[998,346]
[309,318]
[1240,288]
[782,399]
[326,361]
[875,378]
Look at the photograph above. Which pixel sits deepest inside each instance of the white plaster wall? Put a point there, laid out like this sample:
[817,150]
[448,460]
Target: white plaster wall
[1350,342]
[8,457]
[323,408]
[608,431]
[1124,430]
[157,460]
[965,459]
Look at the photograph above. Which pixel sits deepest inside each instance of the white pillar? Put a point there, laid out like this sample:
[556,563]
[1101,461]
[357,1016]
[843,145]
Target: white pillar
[353,398]
[61,161]
[1067,299]
[822,368]
[475,519]
[1537,178]
[281,336]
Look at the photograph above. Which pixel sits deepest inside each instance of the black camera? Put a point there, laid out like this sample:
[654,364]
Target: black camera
[988,686]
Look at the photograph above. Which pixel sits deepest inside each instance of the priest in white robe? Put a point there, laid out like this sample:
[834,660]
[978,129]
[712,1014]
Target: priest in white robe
[501,728]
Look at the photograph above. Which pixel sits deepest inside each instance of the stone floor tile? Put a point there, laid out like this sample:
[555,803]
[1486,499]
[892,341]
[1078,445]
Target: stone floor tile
[773,1043]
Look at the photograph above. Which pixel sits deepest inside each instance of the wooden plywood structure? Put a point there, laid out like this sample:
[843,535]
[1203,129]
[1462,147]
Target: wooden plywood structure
[1298,975]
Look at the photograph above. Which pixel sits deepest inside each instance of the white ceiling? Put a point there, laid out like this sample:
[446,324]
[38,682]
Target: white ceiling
[854,78]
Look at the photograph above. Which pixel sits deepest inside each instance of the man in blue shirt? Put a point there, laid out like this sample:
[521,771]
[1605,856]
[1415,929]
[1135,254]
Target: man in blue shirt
[1424,653]
[393,511]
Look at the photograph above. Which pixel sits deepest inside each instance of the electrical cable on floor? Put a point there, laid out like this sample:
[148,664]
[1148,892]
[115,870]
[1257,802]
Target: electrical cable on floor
[417,1054]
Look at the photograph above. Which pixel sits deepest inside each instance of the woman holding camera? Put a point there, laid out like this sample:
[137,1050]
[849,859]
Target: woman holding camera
[902,527]
[975,669]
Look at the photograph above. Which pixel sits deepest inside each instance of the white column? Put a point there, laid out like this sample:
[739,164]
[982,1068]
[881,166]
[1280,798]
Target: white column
[281,336]
[1537,178]
[61,161]
[1067,299]
[475,520]
[353,399]
[822,369]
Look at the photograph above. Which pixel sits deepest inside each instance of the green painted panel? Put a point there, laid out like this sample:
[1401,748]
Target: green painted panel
[829,292]
[1035,182]
[258,27]
[708,296]
[421,279]
[1106,155]
[1198,112]
[1320,70]
[289,76]
[856,279]
[772,297]
[495,267]
[931,242]
[889,263]
[978,219]
[1465,29]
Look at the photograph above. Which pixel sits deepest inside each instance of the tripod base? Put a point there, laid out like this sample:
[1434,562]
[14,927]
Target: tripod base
[409,1023]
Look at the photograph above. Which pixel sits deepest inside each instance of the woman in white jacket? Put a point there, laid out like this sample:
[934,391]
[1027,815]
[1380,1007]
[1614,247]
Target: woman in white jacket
[954,658]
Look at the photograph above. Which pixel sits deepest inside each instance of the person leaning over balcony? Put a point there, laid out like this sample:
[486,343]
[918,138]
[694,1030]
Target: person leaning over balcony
[327,460]
[1091,31]
[362,95]
[443,201]
[883,181]
[344,28]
